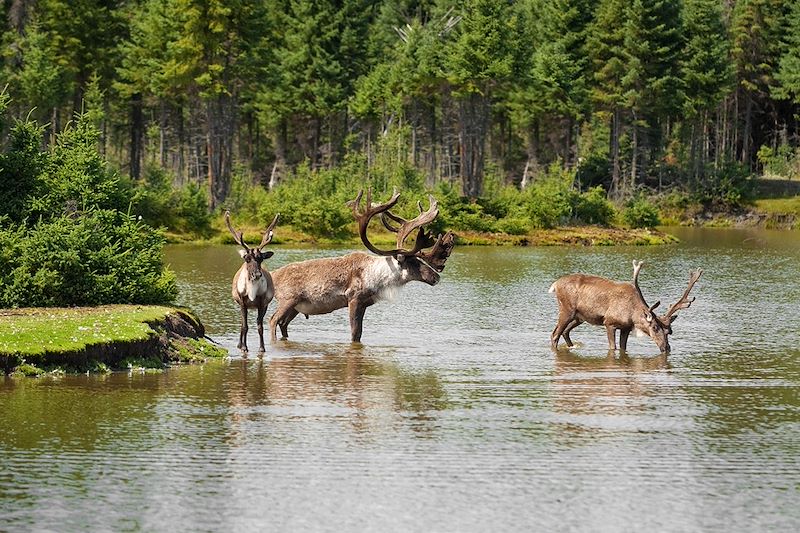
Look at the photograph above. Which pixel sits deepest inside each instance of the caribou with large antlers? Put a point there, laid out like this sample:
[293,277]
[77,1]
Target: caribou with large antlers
[358,280]
[252,285]
[615,305]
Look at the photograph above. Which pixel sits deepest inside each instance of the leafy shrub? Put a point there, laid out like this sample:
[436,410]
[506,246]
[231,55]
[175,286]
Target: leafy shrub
[160,204]
[783,161]
[513,225]
[730,187]
[592,207]
[551,199]
[640,213]
[75,176]
[97,257]
[67,239]
[20,168]
[594,171]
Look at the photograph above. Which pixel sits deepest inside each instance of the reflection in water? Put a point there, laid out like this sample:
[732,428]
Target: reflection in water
[458,417]
[361,386]
[596,393]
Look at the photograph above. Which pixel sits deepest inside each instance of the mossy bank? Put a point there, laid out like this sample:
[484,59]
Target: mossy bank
[79,339]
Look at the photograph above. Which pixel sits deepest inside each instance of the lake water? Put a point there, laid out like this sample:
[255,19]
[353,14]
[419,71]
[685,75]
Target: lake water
[454,414]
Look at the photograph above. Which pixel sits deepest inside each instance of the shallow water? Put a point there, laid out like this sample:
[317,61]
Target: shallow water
[454,415]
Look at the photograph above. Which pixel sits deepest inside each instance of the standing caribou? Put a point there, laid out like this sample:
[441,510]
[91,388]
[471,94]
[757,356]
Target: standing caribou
[358,280]
[252,285]
[615,305]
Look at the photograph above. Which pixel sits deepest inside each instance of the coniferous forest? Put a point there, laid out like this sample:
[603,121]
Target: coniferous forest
[217,98]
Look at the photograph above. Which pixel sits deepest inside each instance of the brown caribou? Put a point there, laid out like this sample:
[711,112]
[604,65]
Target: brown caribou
[359,280]
[615,305]
[252,286]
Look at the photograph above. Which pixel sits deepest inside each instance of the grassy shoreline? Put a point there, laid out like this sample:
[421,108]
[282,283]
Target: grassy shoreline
[561,236]
[79,339]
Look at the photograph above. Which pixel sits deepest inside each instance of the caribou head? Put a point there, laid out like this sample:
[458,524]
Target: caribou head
[426,258]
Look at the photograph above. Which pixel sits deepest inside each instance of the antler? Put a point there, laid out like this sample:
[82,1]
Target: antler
[685,302]
[370,211]
[268,234]
[423,239]
[437,256]
[637,266]
[237,235]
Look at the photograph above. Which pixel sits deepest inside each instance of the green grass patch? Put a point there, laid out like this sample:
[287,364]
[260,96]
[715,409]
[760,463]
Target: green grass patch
[35,331]
[781,206]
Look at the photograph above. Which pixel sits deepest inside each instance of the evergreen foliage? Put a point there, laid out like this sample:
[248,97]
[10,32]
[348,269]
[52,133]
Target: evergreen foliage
[193,98]
[65,235]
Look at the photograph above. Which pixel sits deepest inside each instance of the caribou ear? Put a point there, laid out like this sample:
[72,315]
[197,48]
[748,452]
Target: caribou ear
[242,253]
[401,258]
[648,317]
[267,255]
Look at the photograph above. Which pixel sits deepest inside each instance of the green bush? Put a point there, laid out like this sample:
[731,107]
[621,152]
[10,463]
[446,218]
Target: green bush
[66,237]
[97,257]
[592,207]
[640,213]
[161,204]
[783,161]
[75,177]
[551,199]
[594,171]
[729,187]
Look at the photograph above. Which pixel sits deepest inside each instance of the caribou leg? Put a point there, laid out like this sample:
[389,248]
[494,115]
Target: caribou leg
[357,309]
[611,331]
[279,316]
[284,322]
[564,319]
[243,331]
[260,320]
[623,339]
[572,325]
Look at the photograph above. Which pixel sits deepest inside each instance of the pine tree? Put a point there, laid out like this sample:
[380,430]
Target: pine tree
[756,36]
[479,61]
[788,75]
[706,71]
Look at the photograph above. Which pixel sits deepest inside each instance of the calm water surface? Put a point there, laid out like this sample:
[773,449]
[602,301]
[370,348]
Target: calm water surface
[454,415]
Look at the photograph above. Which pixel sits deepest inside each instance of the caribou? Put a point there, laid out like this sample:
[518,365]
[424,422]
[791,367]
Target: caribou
[252,286]
[615,305]
[359,280]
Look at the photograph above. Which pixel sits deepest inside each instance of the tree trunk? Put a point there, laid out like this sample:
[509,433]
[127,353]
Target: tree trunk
[279,143]
[532,145]
[614,153]
[473,118]
[748,128]
[137,136]
[219,142]
[635,152]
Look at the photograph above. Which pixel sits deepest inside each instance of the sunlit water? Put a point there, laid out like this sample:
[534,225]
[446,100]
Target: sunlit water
[454,415]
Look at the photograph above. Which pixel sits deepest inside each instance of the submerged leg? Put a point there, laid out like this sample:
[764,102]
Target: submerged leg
[243,331]
[564,320]
[260,321]
[357,310]
[284,309]
[572,325]
[623,339]
[284,323]
[611,332]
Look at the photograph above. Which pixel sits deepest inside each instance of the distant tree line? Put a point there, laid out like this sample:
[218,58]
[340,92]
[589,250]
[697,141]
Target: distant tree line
[626,93]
